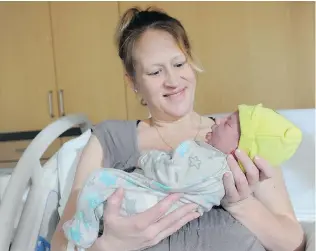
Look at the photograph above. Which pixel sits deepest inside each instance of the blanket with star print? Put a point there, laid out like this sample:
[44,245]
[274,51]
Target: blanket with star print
[194,169]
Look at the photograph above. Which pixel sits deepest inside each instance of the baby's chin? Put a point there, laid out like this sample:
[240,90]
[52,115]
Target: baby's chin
[223,149]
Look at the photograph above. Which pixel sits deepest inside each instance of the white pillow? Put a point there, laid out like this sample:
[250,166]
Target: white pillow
[67,161]
[299,171]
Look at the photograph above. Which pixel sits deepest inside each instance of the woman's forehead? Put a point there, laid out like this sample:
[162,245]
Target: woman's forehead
[156,47]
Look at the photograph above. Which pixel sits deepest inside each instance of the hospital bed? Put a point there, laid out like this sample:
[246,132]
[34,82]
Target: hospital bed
[36,194]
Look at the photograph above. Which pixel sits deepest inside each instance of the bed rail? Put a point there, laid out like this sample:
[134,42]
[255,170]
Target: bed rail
[29,169]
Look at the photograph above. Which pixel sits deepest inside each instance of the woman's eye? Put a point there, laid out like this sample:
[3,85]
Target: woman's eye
[154,73]
[179,65]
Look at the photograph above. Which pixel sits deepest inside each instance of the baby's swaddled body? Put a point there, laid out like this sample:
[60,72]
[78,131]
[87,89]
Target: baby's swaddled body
[194,169]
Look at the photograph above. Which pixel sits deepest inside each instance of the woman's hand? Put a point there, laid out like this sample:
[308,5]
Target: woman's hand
[240,186]
[137,232]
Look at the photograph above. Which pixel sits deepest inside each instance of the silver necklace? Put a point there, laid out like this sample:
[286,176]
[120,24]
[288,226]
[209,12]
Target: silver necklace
[162,138]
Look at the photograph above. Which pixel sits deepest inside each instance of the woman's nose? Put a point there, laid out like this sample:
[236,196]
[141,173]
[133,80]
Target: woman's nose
[171,80]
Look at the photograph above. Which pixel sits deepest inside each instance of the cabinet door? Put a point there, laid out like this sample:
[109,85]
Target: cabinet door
[26,66]
[251,52]
[89,72]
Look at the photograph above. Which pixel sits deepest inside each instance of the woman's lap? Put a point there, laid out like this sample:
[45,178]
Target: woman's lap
[215,230]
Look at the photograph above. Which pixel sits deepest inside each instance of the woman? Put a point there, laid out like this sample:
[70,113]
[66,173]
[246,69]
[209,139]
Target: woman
[256,213]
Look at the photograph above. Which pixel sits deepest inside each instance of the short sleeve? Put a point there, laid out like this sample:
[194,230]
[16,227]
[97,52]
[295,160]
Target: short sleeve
[118,141]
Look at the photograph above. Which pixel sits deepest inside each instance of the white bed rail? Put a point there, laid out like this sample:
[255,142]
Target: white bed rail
[28,169]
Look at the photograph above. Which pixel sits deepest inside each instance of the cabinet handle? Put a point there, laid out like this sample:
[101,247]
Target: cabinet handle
[61,102]
[50,104]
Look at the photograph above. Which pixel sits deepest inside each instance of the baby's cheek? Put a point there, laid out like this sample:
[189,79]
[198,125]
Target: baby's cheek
[233,144]
[225,145]
[217,142]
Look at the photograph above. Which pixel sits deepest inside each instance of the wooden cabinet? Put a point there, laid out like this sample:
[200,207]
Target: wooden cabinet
[27,75]
[56,59]
[88,70]
[59,58]
[251,52]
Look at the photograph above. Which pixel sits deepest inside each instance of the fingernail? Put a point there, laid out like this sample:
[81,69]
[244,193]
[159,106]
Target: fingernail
[237,150]
[257,158]
[227,174]
[230,156]
[194,207]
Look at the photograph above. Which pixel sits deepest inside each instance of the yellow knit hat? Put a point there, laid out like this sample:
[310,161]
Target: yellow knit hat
[267,134]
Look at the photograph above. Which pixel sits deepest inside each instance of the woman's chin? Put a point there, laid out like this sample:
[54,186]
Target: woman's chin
[178,112]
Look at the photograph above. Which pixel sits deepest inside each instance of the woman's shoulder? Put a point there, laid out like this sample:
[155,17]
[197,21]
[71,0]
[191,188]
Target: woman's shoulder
[114,126]
[118,139]
[113,123]
[115,131]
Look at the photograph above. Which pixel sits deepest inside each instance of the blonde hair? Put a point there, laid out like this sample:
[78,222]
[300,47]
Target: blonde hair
[135,22]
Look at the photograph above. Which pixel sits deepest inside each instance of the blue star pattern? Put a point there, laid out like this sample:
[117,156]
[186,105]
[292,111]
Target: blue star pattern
[93,200]
[182,148]
[75,235]
[82,219]
[107,178]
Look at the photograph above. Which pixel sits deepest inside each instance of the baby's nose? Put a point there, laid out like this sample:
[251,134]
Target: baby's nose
[218,121]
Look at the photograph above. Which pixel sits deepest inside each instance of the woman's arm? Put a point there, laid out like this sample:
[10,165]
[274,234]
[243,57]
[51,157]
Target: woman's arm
[123,233]
[268,213]
[91,158]
[271,220]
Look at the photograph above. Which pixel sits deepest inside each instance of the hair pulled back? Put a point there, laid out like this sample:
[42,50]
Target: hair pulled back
[135,22]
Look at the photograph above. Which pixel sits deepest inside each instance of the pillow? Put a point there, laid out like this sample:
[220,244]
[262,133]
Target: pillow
[67,160]
[299,171]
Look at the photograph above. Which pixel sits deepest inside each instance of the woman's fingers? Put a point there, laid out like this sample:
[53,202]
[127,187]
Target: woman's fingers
[231,193]
[173,218]
[155,232]
[241,182]
[174,227]
[152,215]
[252,172]
[114,203]
[264,167]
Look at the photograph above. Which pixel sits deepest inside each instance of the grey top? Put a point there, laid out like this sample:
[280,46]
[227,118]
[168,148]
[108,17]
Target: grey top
[214,231]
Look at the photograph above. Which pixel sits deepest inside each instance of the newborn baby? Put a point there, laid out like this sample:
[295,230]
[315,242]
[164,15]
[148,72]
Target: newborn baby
[194,168]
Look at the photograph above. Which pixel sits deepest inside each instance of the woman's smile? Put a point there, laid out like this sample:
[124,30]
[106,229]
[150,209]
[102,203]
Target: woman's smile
[176,95]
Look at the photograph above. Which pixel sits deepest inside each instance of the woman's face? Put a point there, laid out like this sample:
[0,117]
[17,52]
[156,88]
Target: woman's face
[164,78]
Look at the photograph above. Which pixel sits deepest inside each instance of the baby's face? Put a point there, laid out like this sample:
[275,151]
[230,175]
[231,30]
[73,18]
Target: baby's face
[225,133]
